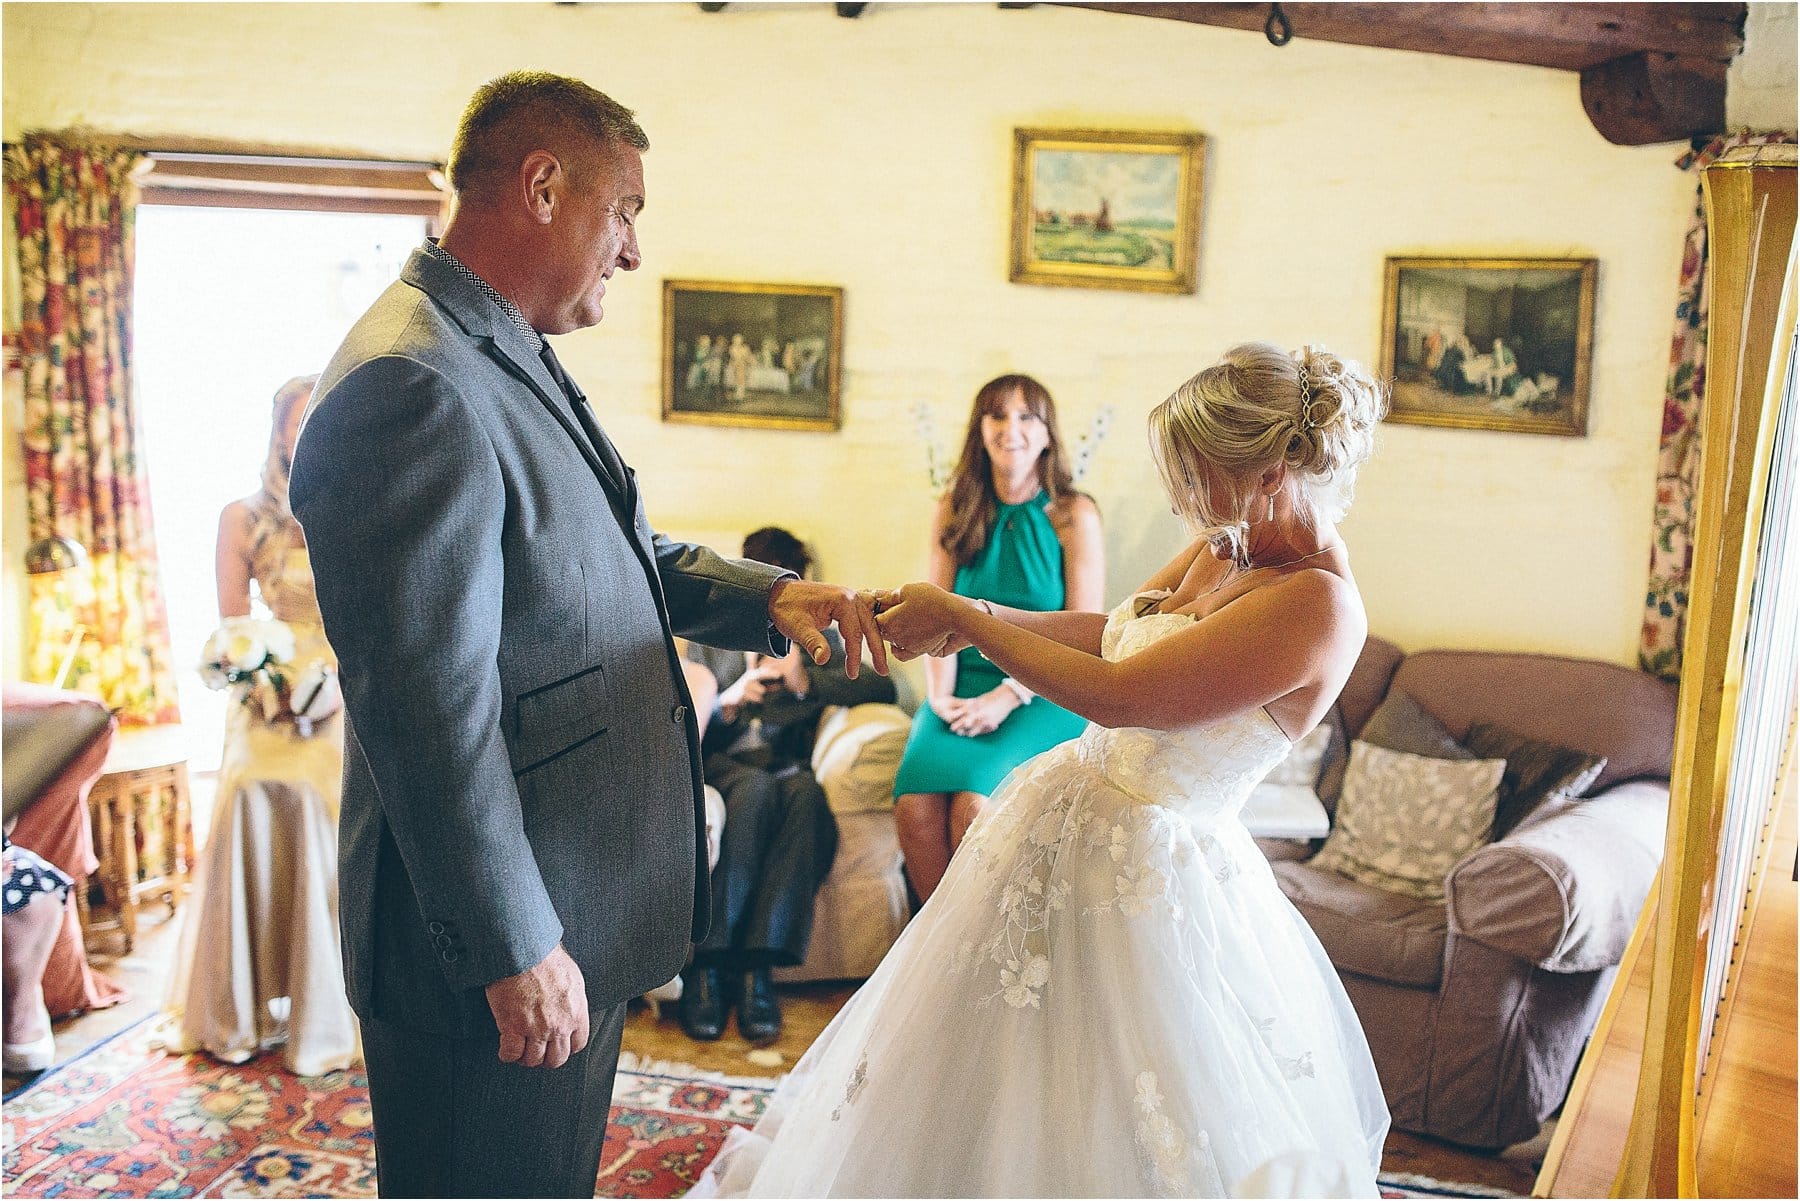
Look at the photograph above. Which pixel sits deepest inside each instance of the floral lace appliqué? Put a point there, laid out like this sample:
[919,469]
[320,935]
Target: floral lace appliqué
[1293,1067]
[859,1078]
[1020,884]
[1177,1164]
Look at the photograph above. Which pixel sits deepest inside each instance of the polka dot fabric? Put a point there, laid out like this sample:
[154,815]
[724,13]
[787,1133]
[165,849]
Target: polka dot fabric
[27,875]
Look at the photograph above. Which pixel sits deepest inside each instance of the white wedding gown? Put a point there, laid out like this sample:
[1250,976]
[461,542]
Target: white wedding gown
[1108,995]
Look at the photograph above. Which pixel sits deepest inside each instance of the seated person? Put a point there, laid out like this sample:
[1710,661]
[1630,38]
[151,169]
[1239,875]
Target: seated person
[779,834]
[34,893]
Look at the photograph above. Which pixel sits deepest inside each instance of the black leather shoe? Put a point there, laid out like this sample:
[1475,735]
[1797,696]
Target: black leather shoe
[702,1006]
[759,1009]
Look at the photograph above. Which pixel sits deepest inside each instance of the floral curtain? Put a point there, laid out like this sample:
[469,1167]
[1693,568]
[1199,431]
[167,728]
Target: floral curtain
[74,209]
[1678,464]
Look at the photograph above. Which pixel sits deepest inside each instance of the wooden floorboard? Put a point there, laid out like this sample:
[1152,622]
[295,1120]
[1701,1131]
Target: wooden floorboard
[1746,1143]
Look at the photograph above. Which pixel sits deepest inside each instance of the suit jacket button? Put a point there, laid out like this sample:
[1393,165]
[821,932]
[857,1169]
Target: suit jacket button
[435,927]
[678,714]
[450,956]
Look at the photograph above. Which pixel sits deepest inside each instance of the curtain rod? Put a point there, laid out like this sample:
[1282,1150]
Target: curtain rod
[168,146]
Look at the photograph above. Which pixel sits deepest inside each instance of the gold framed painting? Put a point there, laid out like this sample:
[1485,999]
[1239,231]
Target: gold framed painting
[746,354]
[1491,344]
[1106,209]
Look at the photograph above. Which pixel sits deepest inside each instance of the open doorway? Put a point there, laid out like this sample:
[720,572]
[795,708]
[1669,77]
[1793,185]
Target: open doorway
[230,304]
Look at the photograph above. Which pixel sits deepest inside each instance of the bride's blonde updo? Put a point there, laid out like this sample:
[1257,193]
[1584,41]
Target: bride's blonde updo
[1255,408]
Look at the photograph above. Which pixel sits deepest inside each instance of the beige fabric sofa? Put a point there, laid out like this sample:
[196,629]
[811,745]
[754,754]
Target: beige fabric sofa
[1477,1007]
[861,907]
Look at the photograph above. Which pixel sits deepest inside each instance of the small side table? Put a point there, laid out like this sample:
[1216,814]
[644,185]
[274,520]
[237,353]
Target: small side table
[146,773]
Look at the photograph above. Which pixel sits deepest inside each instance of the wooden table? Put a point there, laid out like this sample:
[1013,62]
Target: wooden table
[146,773]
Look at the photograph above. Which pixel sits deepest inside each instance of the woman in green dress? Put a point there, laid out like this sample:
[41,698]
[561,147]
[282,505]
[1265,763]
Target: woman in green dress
[1010,529]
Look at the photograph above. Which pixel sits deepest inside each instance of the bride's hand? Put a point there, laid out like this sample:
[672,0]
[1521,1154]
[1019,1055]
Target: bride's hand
[919,619]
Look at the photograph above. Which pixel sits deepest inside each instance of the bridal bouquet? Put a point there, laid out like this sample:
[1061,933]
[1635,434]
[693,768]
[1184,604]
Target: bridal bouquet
[255,659]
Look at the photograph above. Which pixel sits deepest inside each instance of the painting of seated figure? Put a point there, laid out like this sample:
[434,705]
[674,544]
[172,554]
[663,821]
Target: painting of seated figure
[1499,344]
[752,354]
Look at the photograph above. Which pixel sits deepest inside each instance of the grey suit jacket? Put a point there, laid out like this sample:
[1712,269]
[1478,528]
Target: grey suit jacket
[521,764]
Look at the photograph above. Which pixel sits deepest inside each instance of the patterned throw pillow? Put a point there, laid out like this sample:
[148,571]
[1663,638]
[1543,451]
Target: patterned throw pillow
[1302,763]
[1535,772]
[1405,820]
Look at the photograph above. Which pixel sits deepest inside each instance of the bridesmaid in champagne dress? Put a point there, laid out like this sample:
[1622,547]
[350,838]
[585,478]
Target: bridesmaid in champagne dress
[260,963]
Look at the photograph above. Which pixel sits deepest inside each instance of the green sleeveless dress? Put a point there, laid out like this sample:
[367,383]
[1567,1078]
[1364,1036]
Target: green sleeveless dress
[1021,567]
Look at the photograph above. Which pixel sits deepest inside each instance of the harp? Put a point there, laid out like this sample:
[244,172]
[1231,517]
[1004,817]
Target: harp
[1688,1086]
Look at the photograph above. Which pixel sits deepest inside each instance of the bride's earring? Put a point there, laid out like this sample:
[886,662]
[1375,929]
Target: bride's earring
[1271,506]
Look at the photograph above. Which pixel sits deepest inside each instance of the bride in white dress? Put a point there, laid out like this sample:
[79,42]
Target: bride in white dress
[1109,995]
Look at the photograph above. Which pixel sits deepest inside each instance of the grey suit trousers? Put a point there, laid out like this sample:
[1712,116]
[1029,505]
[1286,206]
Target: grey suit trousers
[454,1147]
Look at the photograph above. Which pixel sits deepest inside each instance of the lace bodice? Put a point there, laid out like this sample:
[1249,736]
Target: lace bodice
[1205,773]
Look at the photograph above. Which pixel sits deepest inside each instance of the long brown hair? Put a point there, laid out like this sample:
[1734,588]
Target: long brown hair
[973,504]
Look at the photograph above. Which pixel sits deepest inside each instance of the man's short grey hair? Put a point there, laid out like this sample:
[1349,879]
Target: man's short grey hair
[510,116]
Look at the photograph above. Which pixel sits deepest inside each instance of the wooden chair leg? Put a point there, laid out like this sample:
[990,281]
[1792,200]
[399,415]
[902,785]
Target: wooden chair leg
[181,841]
[126,825]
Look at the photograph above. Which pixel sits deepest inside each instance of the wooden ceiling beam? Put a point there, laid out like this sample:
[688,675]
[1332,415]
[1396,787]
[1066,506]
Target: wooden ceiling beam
[1649,72]
[1569,37]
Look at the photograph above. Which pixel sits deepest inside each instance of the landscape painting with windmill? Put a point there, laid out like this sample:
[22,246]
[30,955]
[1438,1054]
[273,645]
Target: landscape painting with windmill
[1097,209]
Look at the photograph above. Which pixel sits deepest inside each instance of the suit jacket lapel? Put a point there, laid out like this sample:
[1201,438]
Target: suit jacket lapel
[508,346]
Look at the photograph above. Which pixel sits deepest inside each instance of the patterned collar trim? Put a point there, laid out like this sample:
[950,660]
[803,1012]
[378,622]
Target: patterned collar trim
[506,306]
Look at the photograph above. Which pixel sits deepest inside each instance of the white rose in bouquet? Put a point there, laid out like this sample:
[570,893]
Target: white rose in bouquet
[278,636]
[243,646]
[245,651]
[315,696]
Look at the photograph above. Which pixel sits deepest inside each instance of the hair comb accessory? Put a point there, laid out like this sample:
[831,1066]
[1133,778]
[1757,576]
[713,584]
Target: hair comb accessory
[1306,401]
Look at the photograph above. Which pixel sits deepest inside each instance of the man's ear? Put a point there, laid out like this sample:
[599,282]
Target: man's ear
[540,177]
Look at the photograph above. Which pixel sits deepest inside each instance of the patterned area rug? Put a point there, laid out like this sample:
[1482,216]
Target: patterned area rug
[127,1120]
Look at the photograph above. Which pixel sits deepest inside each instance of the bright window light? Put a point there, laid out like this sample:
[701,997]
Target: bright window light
[231,304]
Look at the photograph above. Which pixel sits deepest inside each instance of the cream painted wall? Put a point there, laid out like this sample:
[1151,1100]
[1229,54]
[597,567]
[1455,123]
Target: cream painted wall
[791,145]
[1759,88]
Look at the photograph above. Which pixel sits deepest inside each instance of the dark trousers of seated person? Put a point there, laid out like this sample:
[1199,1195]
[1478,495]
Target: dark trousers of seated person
[776,850]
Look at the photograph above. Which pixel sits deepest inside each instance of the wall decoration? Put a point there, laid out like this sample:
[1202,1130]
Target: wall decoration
[1495,344]
[752,354]
[1104,209]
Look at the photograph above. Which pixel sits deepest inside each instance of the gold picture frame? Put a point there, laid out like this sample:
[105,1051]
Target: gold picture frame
[1489,343]
[749,354]
[1099,208]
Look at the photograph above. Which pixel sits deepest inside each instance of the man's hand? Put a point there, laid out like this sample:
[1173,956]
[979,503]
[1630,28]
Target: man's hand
[801,609]
[542,1012]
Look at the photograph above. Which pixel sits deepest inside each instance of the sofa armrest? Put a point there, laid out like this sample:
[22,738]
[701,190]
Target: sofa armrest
[1564,890]
[856,755]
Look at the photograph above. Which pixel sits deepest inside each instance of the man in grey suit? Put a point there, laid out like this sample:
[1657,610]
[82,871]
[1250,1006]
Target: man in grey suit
[522,846]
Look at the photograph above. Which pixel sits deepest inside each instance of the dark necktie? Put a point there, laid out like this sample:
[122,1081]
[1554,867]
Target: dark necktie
[584,417]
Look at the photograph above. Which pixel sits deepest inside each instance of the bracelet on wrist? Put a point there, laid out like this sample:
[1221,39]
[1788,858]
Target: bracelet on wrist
[1017,689]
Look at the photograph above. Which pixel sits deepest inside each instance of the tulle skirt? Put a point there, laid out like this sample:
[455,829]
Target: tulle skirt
[1103,998]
